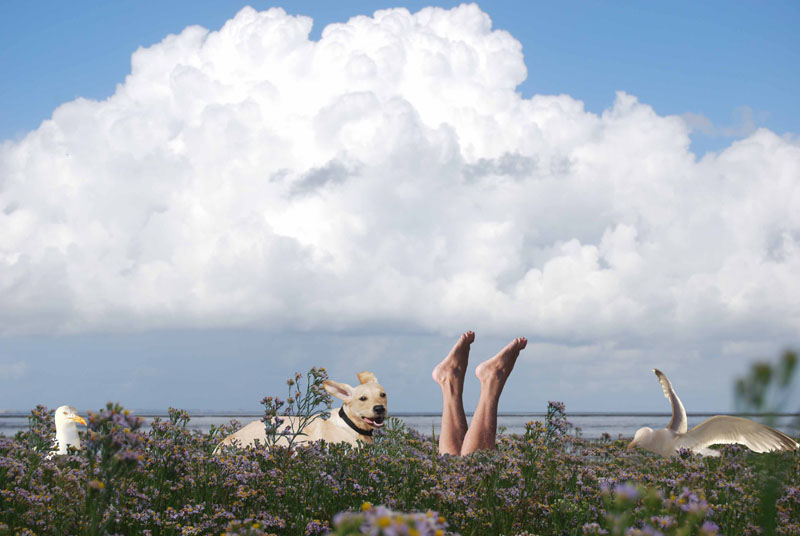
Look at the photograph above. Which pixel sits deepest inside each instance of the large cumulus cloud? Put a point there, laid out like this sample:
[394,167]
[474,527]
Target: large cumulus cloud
[387,176]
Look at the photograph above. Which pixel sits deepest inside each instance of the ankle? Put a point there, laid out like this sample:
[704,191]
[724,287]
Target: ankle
[452,388]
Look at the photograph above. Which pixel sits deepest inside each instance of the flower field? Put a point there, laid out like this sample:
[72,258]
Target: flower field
[547,481]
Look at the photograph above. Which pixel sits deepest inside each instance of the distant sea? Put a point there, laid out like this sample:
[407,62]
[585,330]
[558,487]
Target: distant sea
[590,425]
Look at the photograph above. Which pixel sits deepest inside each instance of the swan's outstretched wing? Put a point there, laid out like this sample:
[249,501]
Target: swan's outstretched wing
[722,429]
[678,422]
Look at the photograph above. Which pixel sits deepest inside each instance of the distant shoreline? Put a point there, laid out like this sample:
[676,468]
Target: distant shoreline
[222,414]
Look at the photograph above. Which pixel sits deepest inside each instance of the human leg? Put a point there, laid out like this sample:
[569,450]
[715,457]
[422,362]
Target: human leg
[492,374]
[449,374]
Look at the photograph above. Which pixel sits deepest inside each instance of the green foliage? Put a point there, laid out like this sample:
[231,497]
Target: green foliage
[166,481]
[768,386]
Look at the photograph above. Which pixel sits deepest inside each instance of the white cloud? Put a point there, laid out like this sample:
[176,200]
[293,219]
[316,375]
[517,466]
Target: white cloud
[387,175]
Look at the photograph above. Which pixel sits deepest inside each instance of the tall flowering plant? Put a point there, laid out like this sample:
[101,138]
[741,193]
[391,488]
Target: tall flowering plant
[556,424]
[112,451]
[306,401]
[41,429]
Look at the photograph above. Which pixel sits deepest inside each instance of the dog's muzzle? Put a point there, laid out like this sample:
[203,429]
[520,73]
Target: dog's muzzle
[379,416]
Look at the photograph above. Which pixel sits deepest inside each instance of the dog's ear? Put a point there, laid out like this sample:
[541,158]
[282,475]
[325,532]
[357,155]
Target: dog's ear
[341,391]
[366,377]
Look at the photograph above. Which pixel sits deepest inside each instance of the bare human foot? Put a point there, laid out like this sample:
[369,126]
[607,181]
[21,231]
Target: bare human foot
[494,372]
[453,368]
[449,374]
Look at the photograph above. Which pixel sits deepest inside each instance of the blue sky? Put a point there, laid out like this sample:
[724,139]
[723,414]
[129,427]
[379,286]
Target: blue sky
[193,245]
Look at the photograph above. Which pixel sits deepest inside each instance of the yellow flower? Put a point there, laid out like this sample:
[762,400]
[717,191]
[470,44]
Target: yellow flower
[384,522]
[366,506]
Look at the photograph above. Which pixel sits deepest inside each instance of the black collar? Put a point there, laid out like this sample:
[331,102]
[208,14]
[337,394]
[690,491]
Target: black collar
[352,425]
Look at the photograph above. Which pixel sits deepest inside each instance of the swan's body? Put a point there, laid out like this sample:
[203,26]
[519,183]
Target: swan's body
[720,429]
[66,418]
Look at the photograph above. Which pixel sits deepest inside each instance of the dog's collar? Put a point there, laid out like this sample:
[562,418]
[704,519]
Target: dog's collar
[352,425]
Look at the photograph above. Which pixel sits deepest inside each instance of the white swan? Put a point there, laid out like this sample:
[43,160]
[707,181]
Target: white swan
[718,429]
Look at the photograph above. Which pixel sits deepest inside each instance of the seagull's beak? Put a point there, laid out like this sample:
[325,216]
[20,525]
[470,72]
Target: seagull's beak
[78,418]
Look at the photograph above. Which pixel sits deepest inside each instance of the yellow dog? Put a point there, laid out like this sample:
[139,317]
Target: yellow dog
[363,410]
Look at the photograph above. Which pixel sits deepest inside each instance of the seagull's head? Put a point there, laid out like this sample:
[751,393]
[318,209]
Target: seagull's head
[66,417]
[642,438]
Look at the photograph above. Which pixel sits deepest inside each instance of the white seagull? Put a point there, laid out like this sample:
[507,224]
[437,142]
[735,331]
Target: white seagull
[67,430]
[719,429]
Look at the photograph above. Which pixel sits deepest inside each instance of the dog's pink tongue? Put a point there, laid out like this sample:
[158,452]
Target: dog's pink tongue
[373,423]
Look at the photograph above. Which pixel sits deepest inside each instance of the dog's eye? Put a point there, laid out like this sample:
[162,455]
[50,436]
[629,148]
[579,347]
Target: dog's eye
[363,398]
[383,395]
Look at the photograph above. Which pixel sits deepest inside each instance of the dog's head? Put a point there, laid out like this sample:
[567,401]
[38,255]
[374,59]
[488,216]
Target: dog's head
[364,404]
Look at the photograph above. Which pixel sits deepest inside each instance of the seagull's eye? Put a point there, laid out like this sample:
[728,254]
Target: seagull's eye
[363,398]
[383,395]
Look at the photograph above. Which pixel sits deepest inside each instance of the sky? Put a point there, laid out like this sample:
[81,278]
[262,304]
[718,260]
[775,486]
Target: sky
[199,198]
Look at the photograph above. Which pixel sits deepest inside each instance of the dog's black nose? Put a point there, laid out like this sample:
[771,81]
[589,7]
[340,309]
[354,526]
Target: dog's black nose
[379,410]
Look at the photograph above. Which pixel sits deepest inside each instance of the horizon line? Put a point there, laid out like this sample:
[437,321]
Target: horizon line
[150,413]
